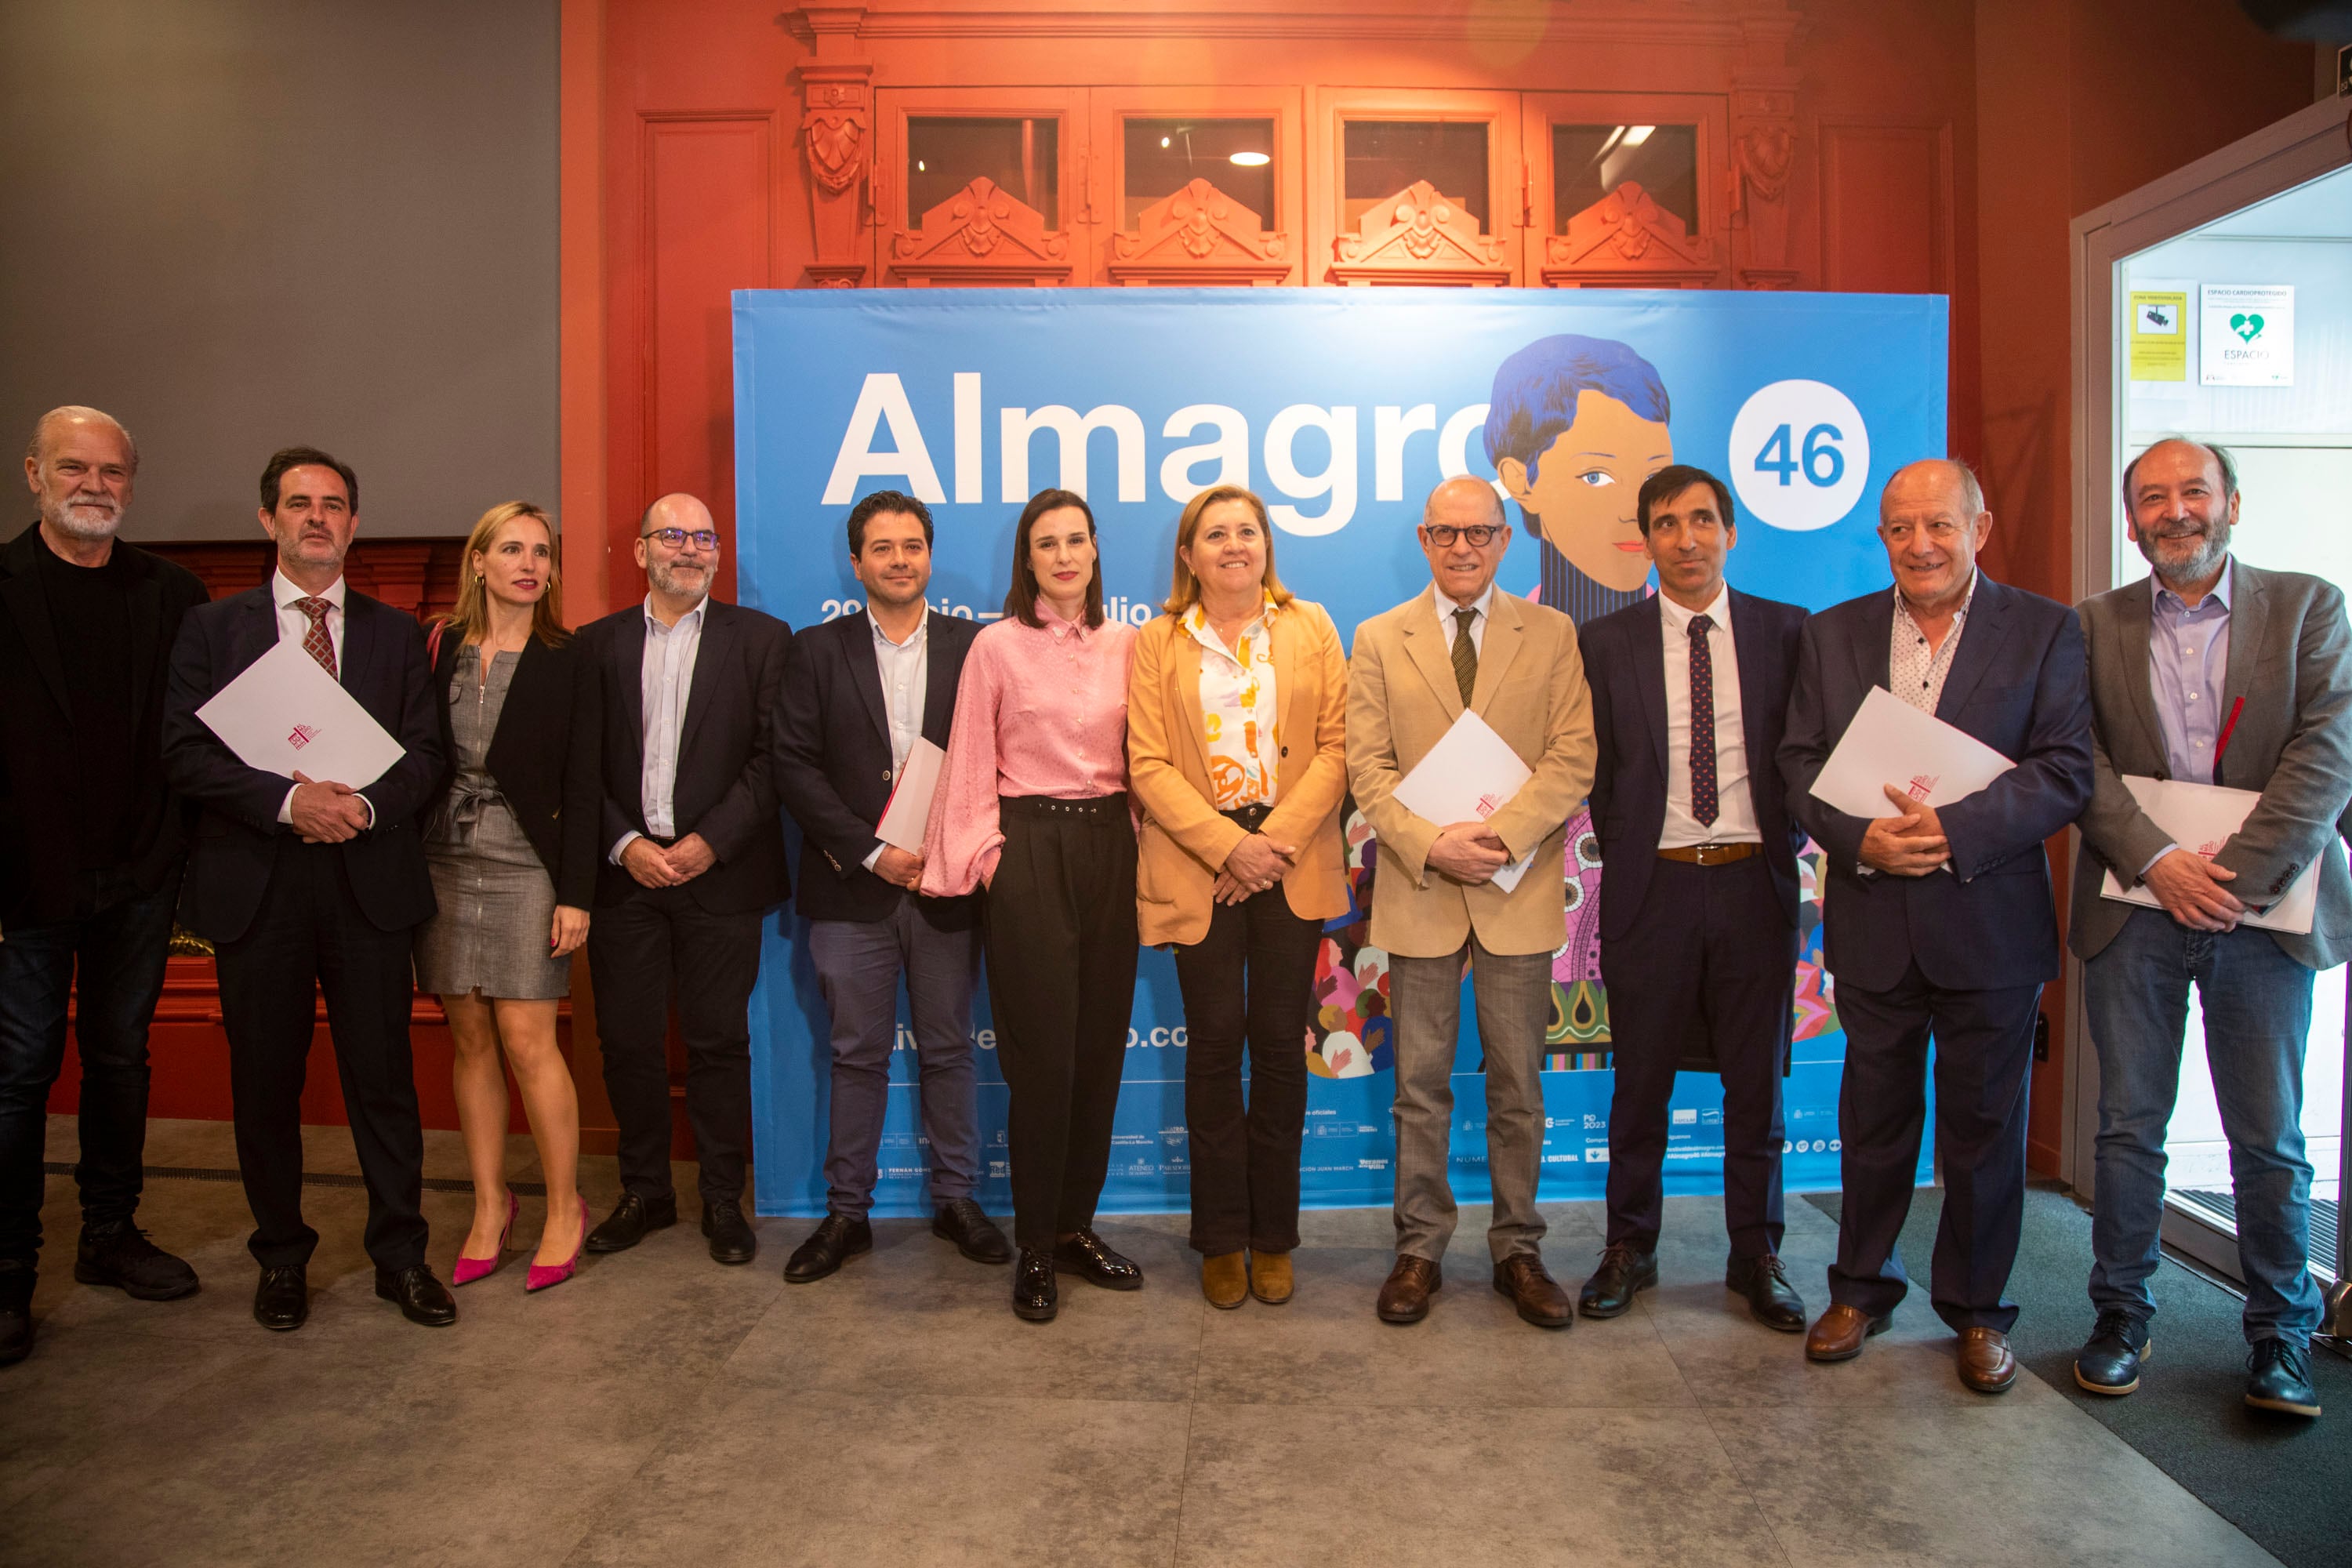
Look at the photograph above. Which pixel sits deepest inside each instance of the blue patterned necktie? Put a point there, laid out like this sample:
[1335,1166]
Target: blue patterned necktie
[1704,804]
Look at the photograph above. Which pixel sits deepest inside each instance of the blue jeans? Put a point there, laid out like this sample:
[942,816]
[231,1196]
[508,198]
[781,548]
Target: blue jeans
[120,951]
[2257,1009]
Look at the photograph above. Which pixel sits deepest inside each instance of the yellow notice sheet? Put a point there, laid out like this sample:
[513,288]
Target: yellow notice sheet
[2159,335]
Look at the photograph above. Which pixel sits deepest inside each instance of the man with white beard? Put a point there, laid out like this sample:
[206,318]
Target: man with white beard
[92,844]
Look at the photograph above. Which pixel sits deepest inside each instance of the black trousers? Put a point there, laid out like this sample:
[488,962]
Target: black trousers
[1249,981]
[308,937]
[653,945]
[1711,960]
[1060,936]
[1984,1050]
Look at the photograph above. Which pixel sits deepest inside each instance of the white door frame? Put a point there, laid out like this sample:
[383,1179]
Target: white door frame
[2300,148]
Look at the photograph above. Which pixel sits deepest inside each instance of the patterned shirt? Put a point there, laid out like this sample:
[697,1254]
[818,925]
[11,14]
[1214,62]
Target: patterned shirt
[1238,713]
[1916,672]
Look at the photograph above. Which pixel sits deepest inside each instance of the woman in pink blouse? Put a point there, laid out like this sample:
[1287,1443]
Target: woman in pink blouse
[1032,806]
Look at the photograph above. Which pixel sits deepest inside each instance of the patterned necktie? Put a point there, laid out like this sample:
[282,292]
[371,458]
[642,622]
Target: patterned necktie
[1465,654]
[1704,804]
[316,642]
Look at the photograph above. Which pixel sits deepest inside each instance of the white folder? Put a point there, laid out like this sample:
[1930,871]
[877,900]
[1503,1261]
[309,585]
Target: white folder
[2201,818]
[1892,742]
[286,713]
[910,809]
[1470,775]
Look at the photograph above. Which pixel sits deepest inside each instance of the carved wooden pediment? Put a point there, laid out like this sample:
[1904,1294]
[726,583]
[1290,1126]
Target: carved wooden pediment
[1419,237]
[1199,235]
[1626,240]
[980,237]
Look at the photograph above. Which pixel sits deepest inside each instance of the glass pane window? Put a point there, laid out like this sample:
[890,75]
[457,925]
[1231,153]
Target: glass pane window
[1165,155]
[1588,162]
[1384,157]
[946,152]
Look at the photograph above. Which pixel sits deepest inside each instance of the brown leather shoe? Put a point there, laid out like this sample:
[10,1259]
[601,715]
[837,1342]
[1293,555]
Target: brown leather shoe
[1837,1334]
[1270,1280]
[1404,1299]
[1987,1363]
[1224,1279]
[1523,1278]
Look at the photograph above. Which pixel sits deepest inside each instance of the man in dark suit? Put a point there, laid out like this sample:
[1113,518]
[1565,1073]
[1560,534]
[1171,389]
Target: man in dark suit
[91,843]
[1939,921]
[2210,671]
[864,690]
[695,854]
[1698,885]
[314,887]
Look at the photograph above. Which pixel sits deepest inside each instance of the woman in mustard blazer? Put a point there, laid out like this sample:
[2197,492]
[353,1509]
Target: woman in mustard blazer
[1236,739]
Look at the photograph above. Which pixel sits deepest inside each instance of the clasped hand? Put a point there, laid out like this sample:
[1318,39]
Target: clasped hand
[1255,863]
[1911,844]
[1469,852]
[655,867]
[2190,888]
[326,813]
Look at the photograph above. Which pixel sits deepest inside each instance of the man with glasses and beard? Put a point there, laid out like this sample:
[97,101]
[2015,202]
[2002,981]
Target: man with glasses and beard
[690,692]
[2210,672]
[91,844]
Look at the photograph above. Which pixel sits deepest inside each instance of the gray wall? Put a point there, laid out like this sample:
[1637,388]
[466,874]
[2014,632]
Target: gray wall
[238,225]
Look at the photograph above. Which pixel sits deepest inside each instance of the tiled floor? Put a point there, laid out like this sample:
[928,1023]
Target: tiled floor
[662,1410]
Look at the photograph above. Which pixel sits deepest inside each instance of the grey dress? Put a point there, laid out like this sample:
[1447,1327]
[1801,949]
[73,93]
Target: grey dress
[496,902]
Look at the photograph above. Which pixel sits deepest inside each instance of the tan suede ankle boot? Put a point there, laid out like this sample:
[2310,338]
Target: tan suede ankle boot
[1224,1279]
[1270,1280]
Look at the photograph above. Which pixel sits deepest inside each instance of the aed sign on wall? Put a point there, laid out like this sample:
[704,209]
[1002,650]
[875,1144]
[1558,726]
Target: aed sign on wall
[2247,334]
[1343,408]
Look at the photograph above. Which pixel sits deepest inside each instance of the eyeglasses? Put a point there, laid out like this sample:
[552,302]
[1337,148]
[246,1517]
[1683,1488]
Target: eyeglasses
[1478,535]
[677,538]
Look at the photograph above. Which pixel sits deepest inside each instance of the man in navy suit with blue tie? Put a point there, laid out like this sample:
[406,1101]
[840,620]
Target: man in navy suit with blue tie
[1939,921]
[1698,885]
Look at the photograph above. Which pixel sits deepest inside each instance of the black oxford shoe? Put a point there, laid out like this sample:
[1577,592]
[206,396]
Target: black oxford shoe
[2278,1377]
[1772,1300]
[1624,1269]
[631,1218]
[421,1298]
[282,1300]
[837,1237]
[2110,1360]
[1036,1296]
[120,1255]
[732,1240]
[965,1223]
[1085,1255]
[15,1313]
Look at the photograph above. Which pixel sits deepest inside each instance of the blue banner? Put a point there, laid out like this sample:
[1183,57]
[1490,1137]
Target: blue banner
[1343,408]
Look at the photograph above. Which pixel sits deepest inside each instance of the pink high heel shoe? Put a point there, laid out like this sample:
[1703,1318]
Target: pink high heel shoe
[468,1269]
[543,1278]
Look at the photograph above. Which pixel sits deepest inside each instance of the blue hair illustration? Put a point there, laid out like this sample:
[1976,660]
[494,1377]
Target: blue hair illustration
[1536,390]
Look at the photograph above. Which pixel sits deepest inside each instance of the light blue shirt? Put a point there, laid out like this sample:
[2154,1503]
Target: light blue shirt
[905,668]
[2188,664]
[667,681]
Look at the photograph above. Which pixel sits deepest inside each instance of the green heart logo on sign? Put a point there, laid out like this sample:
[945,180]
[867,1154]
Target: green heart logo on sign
[2246,327]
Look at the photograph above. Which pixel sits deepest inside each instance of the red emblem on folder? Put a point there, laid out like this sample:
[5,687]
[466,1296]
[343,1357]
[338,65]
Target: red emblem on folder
[1922,785]
[300,736]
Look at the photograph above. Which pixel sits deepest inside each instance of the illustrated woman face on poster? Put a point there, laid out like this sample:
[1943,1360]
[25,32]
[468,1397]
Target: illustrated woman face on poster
[1573,426]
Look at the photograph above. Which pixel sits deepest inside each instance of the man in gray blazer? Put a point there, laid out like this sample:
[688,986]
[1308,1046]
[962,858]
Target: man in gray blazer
[2216,672]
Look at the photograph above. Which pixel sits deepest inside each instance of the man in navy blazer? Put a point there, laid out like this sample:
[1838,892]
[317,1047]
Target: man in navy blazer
[315,887]
[1939,921]
[862,690]
[1698,885]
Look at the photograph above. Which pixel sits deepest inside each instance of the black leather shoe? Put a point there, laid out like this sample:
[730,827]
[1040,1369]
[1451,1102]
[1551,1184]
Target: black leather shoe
[1085,1255]
[1772,1300]
[837,1237]
[732,1240]
[2110,1360]
[1623,1270]
[15,1313]
[422,1298]
[631,1218]
[282,1300]
[120,1255]
[965,1223]
[2278,1377]
[1036,1296]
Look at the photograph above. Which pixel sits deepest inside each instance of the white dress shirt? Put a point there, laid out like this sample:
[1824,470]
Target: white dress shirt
[1734,821]
[1446,607]
[293,623]
[666,680]
[906,670]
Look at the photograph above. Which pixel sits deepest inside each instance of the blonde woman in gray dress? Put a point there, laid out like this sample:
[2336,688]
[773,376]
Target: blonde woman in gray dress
[512,847]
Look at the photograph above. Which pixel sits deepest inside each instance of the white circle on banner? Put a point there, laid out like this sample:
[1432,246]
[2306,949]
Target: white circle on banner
[1799,455]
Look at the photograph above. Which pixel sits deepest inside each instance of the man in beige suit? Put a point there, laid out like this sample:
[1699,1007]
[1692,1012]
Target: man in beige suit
[1435,905]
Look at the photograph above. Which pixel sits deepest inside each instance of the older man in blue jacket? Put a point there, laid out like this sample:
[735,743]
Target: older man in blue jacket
[1939,921]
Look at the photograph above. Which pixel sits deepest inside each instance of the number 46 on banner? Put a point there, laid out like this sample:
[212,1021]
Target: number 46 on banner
[1799,455]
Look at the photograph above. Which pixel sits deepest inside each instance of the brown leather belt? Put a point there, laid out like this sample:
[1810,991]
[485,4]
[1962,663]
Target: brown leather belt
[1711,854]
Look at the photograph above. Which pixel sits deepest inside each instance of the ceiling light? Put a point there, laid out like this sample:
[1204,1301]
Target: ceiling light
[1637,134]
[1163,140]
[920,169]
[1250,160]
